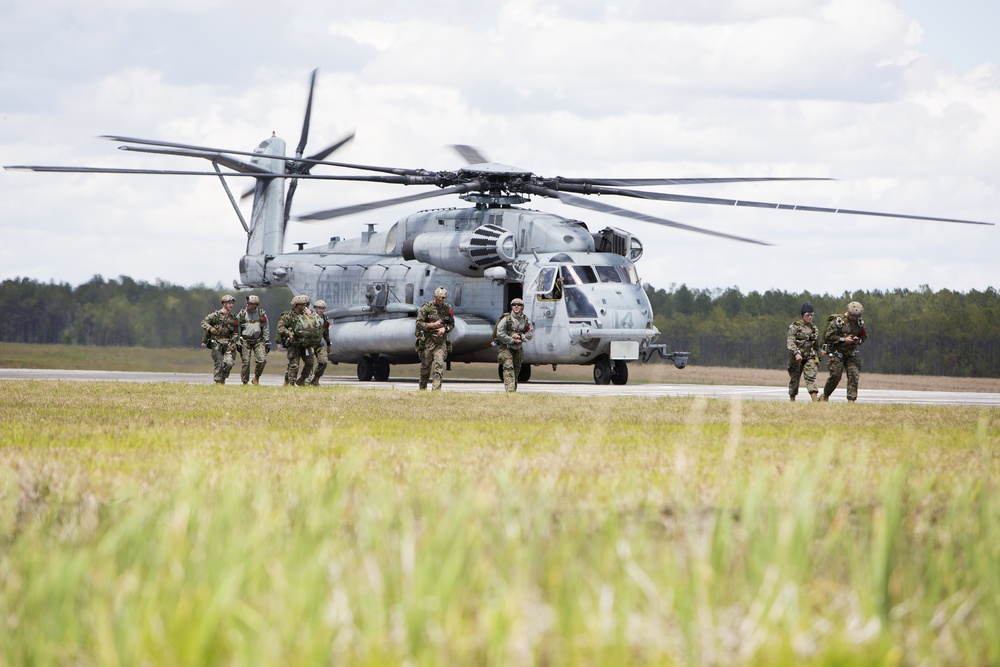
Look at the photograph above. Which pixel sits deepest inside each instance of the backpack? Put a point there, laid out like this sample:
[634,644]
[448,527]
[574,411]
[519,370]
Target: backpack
[308,330]
[496,341]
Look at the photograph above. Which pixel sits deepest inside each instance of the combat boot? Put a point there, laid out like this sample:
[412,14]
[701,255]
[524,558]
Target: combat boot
[825,397]
[315,382]
[285,383]
[301,382]
[256,380]
[791,398]
[814,396]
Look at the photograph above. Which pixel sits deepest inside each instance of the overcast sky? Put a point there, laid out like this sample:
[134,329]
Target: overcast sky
[897,99]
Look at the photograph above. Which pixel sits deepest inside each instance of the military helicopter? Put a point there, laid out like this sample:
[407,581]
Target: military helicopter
[581,287]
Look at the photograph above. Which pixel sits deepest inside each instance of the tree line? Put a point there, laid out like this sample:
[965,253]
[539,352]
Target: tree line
[910,331]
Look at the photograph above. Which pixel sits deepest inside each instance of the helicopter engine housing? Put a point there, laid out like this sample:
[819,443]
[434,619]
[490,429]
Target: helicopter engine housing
[468,253]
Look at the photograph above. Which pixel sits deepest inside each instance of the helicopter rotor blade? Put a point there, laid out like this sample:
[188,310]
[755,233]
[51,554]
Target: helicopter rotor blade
[559,180]
[323,154]
[205,149]
[688,199]
[300,149]
[399,180]
[359,208]
[594,205]
[469,154]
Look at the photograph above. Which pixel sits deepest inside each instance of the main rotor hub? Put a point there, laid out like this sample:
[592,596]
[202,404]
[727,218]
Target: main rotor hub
[493,201]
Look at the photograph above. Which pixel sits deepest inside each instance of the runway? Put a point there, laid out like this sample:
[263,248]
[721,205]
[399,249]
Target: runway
[729,392]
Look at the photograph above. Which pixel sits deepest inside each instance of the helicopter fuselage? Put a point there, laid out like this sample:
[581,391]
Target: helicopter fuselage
[586,304]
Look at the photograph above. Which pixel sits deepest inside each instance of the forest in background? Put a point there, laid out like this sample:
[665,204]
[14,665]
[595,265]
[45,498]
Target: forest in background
[919,332]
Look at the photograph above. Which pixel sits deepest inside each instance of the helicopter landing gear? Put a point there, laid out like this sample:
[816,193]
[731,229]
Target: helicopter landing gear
[381,369]
[619,372]
[523,376]
[525,373]
[366,368]
[373,368]
[602,370]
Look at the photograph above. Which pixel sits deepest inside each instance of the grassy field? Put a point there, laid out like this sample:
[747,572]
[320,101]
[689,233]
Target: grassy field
[172,524]
[179,360]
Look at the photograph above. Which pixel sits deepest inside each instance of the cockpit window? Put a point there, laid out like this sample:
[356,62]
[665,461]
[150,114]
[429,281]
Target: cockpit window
[546,280]
[578,274]
[631,275]
[608,274]
[578,306]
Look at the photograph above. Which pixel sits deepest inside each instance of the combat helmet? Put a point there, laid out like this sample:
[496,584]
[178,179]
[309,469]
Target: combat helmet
[320,304]
[516,301]
[806,308]
[855,308]
[253,298]
[300,299]
[226,298]
[440,293]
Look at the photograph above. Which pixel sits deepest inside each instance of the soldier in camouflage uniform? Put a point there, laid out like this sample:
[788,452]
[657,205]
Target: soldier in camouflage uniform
[803,353]
[844,333]
[255,336]
[434,320]
[296,353]
[221,333]
[513,329]
[322,350]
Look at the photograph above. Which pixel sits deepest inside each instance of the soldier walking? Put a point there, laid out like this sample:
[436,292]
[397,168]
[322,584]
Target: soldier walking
[844,334]
[255,337]
[298,351]
[513,329]
[221,333]
[803,353]
[322,350]
[434,320]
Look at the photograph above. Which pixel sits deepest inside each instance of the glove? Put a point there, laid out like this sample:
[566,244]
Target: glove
[267,347]
[213,331]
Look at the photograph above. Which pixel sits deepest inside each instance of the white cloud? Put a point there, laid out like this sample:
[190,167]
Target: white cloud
[839,88]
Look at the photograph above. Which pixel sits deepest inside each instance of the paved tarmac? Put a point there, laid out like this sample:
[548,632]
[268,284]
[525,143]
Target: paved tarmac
[547,387]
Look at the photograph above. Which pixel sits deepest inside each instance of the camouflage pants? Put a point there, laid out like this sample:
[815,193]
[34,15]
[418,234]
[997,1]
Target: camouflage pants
[836,365]
[432,359]
[510,360]
[797,369]
[297,354]
[319,352]
[253,351]
[222,358]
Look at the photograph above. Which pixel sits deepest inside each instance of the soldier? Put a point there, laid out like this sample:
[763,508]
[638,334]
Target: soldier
[297,351]
[434,320]
[221,332]
[322,350]
[844,333]
[255,336]
[512,330]
[803,353]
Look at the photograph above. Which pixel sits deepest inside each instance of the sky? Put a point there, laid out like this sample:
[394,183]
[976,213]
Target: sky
[898,100]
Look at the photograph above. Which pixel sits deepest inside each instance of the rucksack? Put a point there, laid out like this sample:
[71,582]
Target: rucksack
[496,341]
[308,329]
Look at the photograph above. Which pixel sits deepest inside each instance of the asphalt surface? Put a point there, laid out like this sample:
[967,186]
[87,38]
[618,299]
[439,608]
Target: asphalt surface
[547,387]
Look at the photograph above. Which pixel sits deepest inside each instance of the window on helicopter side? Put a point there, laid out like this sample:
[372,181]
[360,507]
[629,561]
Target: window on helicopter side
[630,274]
[608,274]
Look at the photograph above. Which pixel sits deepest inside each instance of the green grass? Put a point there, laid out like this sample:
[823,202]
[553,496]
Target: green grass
[167,524]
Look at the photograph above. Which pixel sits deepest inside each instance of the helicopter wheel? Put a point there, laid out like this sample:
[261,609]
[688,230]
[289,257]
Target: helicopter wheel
[619,372]
[381,373]
[525,373]
[366,368]
[602,370]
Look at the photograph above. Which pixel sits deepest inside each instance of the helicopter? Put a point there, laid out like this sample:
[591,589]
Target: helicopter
[581,287]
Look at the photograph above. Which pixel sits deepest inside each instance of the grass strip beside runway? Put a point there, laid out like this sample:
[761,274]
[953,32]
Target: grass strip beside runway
[176,524]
